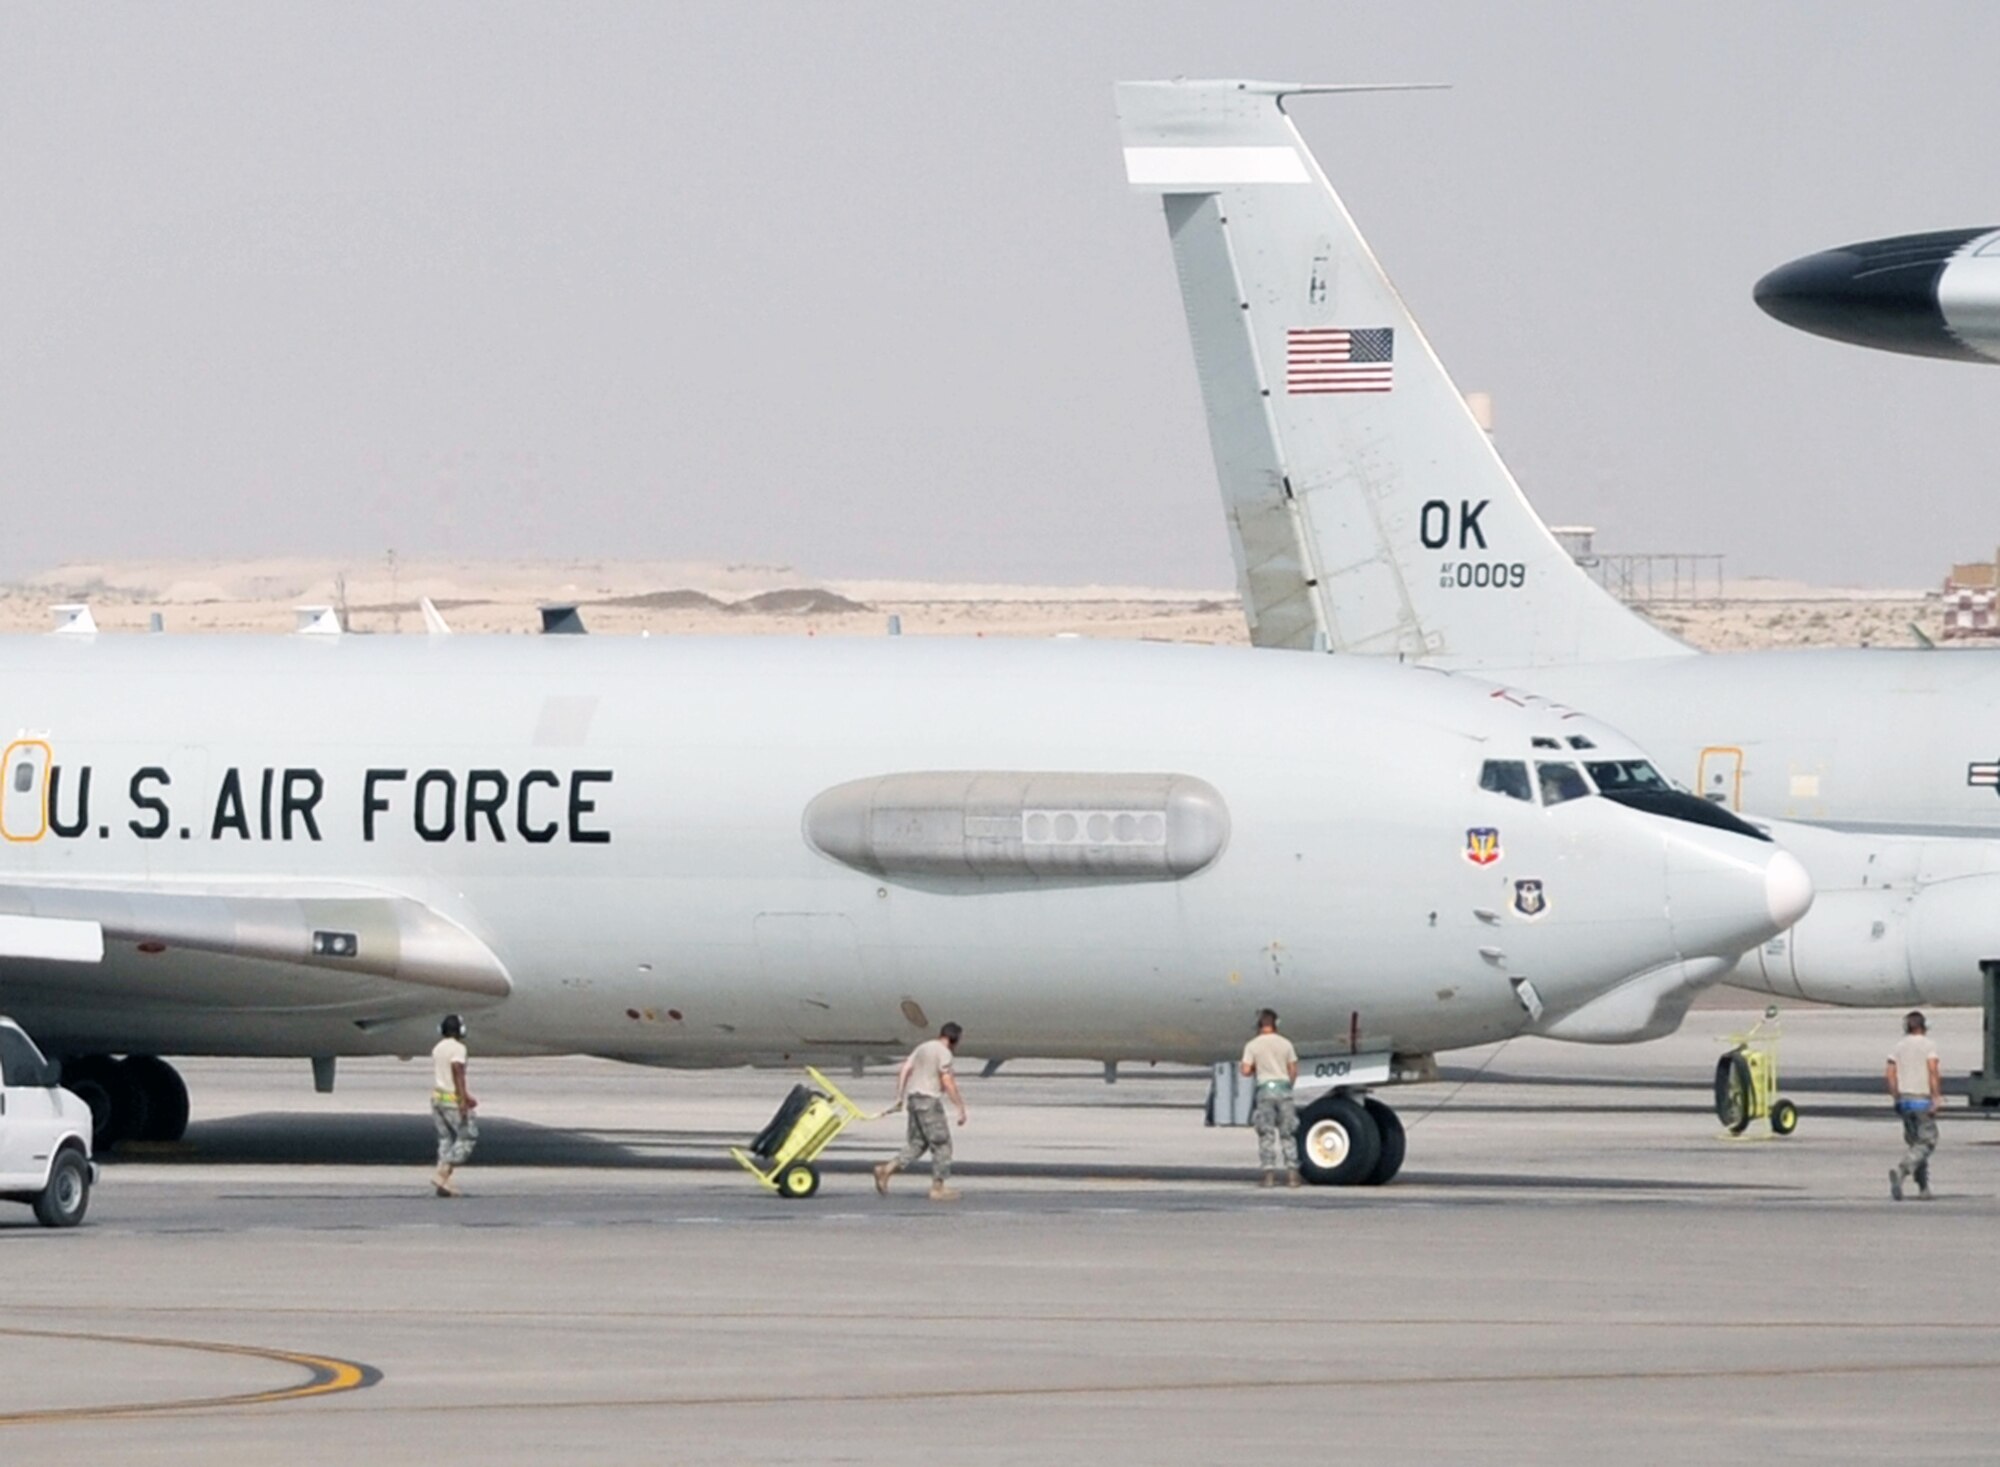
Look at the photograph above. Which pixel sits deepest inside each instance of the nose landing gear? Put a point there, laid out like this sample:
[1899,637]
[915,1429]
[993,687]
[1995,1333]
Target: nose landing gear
[1349,1141]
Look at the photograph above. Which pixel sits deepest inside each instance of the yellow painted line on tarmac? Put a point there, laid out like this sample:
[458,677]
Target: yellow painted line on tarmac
[325,1376]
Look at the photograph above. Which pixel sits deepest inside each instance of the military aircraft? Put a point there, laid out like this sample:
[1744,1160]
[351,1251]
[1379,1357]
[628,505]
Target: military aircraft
[1369,513]
[1926,295]
[710,852]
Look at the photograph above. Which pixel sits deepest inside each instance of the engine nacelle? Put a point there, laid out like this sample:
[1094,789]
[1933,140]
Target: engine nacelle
[1897,920]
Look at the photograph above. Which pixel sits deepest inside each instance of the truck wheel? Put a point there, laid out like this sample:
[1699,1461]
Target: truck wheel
[1389,1126]
[1732,1092]
[1784,1118]
[798,1180]
[64,1201]
[1338,1142]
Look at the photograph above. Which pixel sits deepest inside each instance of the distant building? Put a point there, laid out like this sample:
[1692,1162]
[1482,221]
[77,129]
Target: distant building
[1646,577]
[1578,542]
[1971,597]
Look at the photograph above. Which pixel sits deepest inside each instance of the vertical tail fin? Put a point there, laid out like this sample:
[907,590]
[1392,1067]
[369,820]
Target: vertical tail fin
[1365,504]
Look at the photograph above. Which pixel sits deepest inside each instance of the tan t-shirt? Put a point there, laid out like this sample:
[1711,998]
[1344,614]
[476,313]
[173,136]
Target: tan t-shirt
[930,1062]
[1912,1058]
[449,1052]
[1273,1057]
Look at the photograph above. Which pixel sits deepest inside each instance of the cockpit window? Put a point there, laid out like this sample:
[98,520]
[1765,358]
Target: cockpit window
[1616,775]
[1543,741]
[1578,741]
[1561,782]
[1507,777]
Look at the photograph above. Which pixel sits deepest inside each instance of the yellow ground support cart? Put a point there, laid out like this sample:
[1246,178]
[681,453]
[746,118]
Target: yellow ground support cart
[1746,1081]
[781,1156]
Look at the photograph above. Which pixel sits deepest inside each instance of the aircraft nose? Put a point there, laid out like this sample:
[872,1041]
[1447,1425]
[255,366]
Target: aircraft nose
[1727,893]
[1881,293]
[1788,889]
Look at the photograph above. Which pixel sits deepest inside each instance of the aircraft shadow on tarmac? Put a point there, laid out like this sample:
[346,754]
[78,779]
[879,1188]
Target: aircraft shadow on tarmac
[285,1139]
[278,1138]
[1846,1096]
[1855,1085]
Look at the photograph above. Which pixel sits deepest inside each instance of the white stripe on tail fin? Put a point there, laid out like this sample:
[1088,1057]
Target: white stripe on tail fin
[1365,504]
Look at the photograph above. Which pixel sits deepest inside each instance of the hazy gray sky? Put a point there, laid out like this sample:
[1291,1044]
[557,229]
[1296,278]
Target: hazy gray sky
[859,286]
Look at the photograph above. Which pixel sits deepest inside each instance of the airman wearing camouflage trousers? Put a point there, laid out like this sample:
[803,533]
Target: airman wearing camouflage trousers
[921,1087]
[1918,1090]
[1272,1061]
[452,1105]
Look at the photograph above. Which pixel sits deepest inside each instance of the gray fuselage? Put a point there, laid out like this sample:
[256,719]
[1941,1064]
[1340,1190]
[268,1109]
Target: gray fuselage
[605,840]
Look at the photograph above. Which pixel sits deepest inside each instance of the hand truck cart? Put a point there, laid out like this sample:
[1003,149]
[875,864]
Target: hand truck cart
[1746,1081]
[781,1156]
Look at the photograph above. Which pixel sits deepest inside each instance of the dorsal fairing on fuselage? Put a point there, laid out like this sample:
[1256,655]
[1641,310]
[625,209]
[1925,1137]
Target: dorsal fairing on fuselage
[1364,502]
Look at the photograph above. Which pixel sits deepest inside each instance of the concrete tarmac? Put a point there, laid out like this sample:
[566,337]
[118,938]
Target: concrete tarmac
[1575,1266]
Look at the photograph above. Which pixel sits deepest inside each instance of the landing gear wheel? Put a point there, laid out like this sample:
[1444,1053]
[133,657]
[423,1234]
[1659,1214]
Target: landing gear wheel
[117,1103]
[1389,1126]
[1784,1118]
[799,1180]
[64,1201]
[1732,1092]
[1339,1144]
[166,1116]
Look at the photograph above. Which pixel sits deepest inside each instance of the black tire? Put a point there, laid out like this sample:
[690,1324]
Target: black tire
[1732,1092]
[117,1104]
[779,1128]
[166,1097]
[1338,1142]
[1784,1118]
[64,1201]
[798,1181]
[1388,1126]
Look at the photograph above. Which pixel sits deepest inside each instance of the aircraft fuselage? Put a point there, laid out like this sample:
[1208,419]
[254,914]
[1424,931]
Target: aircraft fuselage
[316,845]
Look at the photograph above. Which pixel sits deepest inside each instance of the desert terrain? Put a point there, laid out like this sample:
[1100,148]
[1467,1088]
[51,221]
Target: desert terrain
[667,598]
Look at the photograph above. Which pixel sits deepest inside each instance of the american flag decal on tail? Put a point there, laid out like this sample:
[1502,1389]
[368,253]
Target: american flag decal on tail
[1339,359]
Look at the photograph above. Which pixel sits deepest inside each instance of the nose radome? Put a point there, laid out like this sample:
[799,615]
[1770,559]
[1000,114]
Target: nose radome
[1881,293]
[1788,888]
[1728,893]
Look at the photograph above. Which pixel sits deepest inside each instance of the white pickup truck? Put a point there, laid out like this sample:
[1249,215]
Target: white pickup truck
[44,1135]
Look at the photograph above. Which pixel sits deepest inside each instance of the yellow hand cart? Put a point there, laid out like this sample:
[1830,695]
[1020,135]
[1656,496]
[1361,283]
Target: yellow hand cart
[781,1156]
[1746,1081]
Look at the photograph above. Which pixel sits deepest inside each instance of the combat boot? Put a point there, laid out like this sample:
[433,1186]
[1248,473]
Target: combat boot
[1269,1179]
[1293,1179]
[441,1179]
[941,1193]
[882,1174]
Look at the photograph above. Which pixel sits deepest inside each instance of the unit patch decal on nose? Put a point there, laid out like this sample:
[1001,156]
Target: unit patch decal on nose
[1529,899]
[1482,845]
[1984,774]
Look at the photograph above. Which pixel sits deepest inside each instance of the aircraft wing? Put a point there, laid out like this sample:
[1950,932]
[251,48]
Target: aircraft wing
[249,948]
